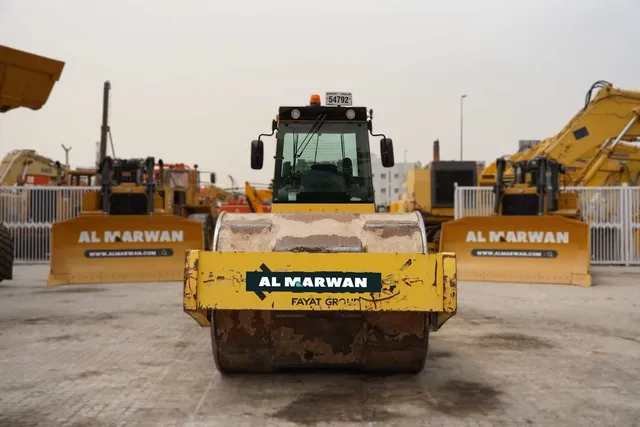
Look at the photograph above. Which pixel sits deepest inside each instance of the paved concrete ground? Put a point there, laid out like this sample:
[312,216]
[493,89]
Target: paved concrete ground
[127,355]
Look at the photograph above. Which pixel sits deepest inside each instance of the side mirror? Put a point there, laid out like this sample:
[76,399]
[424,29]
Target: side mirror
[386,152]
[257,154]
[212,177]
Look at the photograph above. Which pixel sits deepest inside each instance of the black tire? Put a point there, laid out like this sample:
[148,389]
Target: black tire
[6,254]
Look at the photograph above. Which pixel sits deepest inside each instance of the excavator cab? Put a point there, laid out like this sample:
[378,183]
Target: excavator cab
[322,280]
[176,184]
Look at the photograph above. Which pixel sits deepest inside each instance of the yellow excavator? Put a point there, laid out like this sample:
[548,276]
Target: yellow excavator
[594,146]
[26,81]
[126,231]
[593,149]
[322,280]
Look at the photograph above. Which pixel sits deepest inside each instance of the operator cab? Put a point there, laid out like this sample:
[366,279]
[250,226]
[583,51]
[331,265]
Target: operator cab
[124,188]
[322,152]
[535,190]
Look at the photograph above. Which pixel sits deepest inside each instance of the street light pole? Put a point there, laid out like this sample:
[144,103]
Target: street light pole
[66,155]
[404,166]
[461,122]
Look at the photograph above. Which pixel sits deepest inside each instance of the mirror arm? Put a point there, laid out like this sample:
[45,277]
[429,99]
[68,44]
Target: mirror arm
[378,134]
[266,134]
[375,134]
[273,130]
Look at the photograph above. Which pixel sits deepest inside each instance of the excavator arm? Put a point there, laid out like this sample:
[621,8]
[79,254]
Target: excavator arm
[253,198]
[589,143]
[611,114]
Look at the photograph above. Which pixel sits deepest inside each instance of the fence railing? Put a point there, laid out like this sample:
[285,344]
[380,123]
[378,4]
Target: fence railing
[29,212]
[613,215]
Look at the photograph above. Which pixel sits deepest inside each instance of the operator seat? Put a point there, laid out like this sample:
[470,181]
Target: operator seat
[347,171]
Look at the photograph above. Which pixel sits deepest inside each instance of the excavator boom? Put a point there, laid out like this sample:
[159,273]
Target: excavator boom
[588,143]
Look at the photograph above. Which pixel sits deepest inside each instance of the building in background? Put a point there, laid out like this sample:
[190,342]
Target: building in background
[525,144]
[388,182]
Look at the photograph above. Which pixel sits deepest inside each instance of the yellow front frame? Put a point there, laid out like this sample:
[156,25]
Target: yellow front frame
[410,282]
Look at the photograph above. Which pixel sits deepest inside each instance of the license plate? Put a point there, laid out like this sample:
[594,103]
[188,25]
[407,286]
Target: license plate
[338,98]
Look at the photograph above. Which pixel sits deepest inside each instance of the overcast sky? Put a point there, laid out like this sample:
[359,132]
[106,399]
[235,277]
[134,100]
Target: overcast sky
[196,81]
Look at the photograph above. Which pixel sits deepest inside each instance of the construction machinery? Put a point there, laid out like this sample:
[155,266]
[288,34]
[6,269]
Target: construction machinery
[28,198]
[535,235]
[596,149]
[594,146]
[322,280]
[254,200]
[430,191]
[27,167]
[180,190]
[214,193]
[259,199]
[26,81]
[124,233]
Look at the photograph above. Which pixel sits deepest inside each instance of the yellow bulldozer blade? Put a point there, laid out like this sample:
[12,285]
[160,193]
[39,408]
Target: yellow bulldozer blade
[122,248]
[522,249]
[283,291]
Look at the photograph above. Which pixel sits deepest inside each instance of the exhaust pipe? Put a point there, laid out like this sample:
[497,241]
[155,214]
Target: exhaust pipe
[436,150]
[104,129]
[501,163]
[161,172]
[151,162]
[541,184]
[105,181]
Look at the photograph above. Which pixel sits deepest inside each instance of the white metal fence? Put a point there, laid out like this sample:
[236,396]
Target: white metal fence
[613,214]
[29,212]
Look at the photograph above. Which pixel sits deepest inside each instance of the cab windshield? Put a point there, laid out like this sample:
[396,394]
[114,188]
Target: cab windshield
[330,165]
[177,179]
